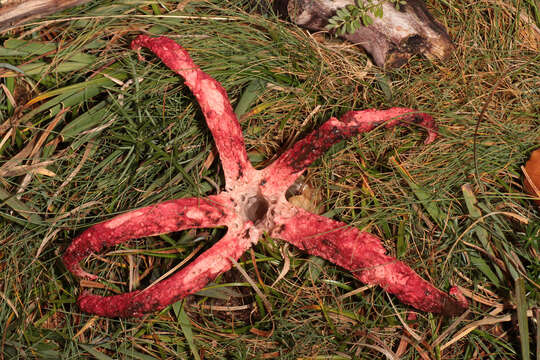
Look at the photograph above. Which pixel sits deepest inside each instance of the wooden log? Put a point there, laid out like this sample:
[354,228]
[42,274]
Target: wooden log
[13,12]
[390,41]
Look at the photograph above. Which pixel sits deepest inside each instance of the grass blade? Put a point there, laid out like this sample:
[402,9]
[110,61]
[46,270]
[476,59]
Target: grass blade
[21,208]
[95,353]
[185,325]
[250,94]
[523,322]
[422,195]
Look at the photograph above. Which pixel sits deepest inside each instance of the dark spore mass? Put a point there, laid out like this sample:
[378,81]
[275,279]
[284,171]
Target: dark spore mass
[257,208]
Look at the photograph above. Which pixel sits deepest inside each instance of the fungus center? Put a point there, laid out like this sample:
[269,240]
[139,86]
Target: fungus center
[256,208]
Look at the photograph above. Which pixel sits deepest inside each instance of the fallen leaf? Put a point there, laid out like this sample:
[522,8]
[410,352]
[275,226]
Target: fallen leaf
[308,198]
[531,182]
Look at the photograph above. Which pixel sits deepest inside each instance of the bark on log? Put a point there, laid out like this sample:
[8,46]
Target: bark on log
[391,41]
[15,11]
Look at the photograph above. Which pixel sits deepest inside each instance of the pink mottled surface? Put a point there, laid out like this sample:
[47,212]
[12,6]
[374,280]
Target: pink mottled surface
[165,217]
[293,162]
[188,280]
[364,256]
[213,101]
[254,203]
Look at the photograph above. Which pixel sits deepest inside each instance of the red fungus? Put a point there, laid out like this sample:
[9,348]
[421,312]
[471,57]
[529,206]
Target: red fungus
[253,203]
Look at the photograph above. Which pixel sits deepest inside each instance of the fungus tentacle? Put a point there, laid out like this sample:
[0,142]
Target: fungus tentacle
[363,254]
[286,169]
[165,217]
[192,278]
[214,104]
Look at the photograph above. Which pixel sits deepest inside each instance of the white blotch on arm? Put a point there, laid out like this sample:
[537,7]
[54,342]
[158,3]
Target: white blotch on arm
[214,98]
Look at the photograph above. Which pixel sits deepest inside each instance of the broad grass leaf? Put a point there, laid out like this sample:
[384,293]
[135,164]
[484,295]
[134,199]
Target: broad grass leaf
[29,47]
[40,68]
[95,353]
[252,91]
[20,207]
[523,322]
[483,266]
[185,324]
[89,119]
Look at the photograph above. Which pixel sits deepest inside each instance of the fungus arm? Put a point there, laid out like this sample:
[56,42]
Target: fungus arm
[205,268]
[292,163]
[165,217]
[214,104]
[363,254]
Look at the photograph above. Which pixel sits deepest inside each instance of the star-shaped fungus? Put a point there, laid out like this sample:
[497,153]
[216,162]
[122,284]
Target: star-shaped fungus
[253,203]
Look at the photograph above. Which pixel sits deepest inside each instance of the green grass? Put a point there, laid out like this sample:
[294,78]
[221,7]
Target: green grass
[117,148]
